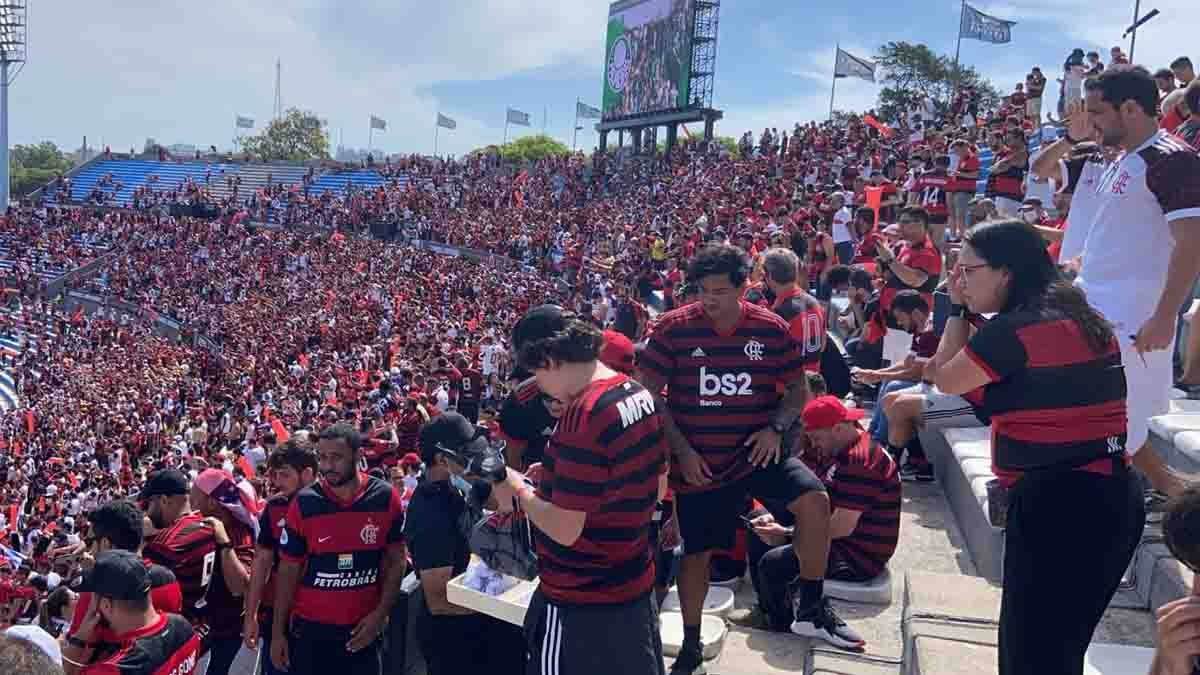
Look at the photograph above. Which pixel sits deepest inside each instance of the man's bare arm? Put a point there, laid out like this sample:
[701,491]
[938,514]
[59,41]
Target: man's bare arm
[794,398]
[655,384]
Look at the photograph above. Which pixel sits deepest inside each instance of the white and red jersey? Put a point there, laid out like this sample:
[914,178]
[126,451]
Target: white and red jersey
[1138,196]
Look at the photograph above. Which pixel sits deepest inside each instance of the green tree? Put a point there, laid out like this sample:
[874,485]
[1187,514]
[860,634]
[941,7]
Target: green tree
[295,137]
[527,149]
[730,144]
[910,69]
[35,165]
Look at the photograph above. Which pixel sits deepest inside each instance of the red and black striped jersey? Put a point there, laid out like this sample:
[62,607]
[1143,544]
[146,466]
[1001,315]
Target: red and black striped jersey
[722,387]
[1052,400]
[341,547]
[165,595]
[932,190]
[864,478]
[471,387]
[525,421]
[806,324]
[189,549]
[604,459]
[169,646]
[271,522]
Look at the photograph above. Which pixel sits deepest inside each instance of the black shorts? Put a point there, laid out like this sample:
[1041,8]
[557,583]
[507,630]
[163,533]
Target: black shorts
[939,219]
[599,639]
[709,520]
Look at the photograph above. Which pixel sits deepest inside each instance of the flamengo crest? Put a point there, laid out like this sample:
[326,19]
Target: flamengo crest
[754,350]
[369,533]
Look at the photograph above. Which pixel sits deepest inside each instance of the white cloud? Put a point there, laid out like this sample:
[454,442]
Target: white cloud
[179,72]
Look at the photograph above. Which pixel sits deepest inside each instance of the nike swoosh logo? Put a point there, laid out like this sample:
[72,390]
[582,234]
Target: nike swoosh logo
[322,540]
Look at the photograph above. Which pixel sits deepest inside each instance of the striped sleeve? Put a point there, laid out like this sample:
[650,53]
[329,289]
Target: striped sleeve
[396,512]
[856,488]
[658,357]
[997,349]
[292,543]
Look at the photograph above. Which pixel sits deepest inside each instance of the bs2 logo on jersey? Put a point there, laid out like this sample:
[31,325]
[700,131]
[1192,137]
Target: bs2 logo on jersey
[725,384]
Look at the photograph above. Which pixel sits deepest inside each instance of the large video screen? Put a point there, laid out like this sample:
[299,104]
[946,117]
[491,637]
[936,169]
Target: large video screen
[648,57]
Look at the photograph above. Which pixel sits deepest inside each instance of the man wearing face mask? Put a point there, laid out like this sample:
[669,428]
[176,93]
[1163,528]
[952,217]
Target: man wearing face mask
[150,641]
[453,639]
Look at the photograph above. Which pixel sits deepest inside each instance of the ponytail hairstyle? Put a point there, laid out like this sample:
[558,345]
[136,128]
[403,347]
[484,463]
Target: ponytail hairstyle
[1035,283]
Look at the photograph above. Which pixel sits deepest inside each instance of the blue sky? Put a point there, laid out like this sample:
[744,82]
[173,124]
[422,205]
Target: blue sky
[179,72]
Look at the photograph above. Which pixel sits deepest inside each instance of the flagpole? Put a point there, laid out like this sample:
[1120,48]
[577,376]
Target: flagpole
[436,128]
[962,12]
[1137,9]
[505,130]
[833,89]
[370,136]
[575,136]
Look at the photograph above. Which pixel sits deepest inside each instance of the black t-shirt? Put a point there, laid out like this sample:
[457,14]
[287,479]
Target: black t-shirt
[525,419]
[431,527]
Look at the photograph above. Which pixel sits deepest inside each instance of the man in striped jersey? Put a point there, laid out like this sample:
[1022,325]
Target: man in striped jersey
[603,471]
[292,467]
[723,363]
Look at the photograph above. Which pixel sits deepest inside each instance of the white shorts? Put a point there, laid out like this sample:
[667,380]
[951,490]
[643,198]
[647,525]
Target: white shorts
[1148,387]
[944,411]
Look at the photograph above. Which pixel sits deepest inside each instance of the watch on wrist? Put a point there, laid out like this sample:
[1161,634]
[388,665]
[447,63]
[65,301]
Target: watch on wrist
[777,427]
[82,644]
[959,311]
[1072,141]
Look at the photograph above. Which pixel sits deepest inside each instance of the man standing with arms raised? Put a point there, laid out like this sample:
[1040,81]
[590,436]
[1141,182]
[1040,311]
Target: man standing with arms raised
[342,562]
[724,362]
[1142,252]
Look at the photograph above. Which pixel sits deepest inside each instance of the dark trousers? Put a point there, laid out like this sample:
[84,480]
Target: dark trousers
[598,639]
[474,643]
[315,650]
[1069,538]
[774,572]
[844,252]
[864,354]
[221,653]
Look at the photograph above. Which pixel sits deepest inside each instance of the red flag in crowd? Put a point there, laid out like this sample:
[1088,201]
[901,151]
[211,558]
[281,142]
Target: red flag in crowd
[281,432]
[247,468]
[30,424]
[882,128]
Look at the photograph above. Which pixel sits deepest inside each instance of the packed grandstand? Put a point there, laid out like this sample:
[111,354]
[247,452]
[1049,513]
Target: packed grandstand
[194,313]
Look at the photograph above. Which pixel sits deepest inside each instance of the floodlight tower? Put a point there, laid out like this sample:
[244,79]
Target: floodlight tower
[13,15]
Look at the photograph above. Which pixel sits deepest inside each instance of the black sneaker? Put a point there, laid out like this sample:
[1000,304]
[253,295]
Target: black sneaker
[920,473]
[821,622]
[690,660]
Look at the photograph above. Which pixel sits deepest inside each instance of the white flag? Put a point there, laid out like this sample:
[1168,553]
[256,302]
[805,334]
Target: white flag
[517,117]
[377,123]
[446,122]
[586,112]
[245,122]
[849,65]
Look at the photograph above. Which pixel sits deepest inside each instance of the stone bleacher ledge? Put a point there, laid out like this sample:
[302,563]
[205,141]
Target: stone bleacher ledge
[963,465]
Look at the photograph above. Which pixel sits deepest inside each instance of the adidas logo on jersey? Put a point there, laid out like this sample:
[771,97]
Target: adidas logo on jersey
[698,353]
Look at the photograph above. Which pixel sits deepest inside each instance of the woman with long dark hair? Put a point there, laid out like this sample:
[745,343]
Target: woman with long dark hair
[1054,387]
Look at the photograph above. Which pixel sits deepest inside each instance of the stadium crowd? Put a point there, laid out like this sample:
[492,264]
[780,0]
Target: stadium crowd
[226,453]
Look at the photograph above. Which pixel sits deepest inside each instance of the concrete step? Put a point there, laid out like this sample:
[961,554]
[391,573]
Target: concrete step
[950,628]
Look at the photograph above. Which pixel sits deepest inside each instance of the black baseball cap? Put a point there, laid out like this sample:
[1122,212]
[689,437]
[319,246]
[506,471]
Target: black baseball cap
[539,323]
[117,574]
[451,432]
[164,483]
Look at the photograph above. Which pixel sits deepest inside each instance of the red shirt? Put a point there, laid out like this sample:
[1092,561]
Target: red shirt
[969,164]
[169,646]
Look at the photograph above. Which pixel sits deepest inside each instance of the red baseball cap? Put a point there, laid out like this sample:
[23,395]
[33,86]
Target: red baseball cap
[826,412]
[617,352]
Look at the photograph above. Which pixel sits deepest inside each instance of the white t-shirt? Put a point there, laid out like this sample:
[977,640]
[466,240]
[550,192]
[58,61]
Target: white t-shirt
[841,225]
[489,357]
[1130,242]
[1083,208]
